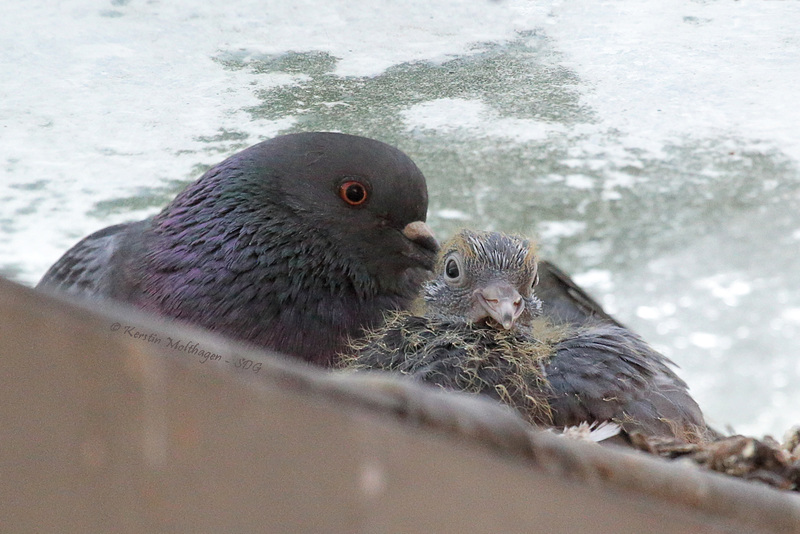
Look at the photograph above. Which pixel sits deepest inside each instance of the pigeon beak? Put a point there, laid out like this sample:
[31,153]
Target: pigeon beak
[501,302]
[421,234]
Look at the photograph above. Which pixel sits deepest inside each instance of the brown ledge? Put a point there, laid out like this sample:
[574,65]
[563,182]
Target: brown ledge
[104,431]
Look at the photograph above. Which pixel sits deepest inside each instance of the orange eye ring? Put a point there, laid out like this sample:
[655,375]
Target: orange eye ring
[353,192]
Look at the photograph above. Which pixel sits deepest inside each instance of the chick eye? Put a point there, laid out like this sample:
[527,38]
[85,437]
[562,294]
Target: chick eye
[451,270]
[354,193]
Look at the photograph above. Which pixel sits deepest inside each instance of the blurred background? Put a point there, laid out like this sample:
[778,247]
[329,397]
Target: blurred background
[652,147]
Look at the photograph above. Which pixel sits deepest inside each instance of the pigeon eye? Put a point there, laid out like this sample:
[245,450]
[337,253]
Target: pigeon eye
[354,193]
[452,270]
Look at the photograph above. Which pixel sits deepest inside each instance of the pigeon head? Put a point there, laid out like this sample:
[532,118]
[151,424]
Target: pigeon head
[294,243]
[367,197]
[484,278]
[364,198]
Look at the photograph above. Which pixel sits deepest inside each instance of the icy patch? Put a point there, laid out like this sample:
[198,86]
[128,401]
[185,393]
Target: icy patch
[775,418]
[451,215]
[369,36]
[791,315]
[620,179]
[579,181]
[554,230]
[446,115]
[591,250]
[609,195]
[451,115]
[106,108]
[654,313]
[550,179]
[705,340]
[597,279]
[689,69]
[726,287]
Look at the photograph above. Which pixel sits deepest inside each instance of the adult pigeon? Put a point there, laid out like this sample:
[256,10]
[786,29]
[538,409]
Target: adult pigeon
[295,244]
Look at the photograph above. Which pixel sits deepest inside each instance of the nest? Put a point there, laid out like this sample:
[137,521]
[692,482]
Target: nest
[763,460]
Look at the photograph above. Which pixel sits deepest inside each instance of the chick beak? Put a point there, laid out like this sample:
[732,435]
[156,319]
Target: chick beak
[501,302]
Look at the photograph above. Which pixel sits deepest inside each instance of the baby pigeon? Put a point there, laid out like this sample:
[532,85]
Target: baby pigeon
[478,329]
[294,244]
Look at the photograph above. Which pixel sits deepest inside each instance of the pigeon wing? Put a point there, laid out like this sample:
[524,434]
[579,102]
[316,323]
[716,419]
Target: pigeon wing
[88,267]
[607,373]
